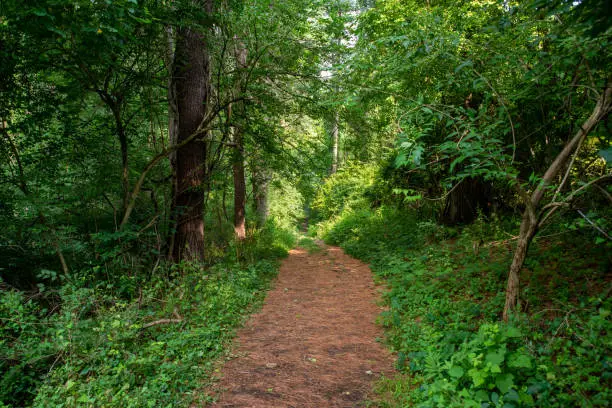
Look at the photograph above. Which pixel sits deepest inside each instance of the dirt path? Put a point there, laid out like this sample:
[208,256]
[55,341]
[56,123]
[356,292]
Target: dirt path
[313,344]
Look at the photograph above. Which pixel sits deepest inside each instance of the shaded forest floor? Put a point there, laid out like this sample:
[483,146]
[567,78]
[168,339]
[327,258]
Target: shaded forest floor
[314,342]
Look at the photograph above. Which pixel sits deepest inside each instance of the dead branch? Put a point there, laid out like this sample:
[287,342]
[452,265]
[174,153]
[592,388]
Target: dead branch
[161,321]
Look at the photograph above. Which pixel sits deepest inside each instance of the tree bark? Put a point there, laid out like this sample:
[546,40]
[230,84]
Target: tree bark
[173,132]
[335,138]
[123,142]
[530,223]
[261,182]
[114,103]
[192,77]
[239,191]
[238,159]
[464,201]
[527,232]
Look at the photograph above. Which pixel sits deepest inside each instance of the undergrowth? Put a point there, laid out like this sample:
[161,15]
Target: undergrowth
[87,346]
[446,293]
[310,245]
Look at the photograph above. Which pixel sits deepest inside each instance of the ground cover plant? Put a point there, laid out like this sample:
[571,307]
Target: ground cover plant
[444,317]
[159,349]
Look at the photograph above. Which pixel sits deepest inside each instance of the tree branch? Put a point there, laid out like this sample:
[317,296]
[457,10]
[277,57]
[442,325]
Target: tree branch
[202,129]
[602,108]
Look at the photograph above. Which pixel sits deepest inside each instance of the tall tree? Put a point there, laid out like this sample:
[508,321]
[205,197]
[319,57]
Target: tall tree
[260,177]
[334,141]
[192,83]
[240,52]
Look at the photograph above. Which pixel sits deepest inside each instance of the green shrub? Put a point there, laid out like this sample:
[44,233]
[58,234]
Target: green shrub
[92,347]
[344,190]
[26,352]
[269,242]
[286,204]
[154,351]
[491,369]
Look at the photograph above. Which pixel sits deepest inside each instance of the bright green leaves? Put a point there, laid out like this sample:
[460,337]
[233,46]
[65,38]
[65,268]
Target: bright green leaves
[444,302]
[87,31]
[480,90]
[343,190]
[489,368]
[504,382]
[410,154]
[494,359]
[519,360]
[456,371]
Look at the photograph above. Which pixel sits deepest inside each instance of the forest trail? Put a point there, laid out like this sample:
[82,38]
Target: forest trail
[313,344]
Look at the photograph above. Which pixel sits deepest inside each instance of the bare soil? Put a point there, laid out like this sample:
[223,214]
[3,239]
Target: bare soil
[314,342]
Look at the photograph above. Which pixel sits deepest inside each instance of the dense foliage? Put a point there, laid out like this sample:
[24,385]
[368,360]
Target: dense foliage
[445,299]
[157,158]
[89,345]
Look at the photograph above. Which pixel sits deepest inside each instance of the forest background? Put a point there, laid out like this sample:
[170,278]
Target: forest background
[159,156]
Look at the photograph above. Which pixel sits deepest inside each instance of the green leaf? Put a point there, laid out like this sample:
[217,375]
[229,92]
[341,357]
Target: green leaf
[417,153]
[56,30]
[496,358]
[478,376]
[481,396]
[40,12]
[512,396]
[401,160]
[456,372]
[457,161]
[513,332]
[504,382]
[467,63]
[526,398]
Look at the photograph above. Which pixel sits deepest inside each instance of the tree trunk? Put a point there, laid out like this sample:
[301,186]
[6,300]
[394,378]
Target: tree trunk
[239,190]
[173,132]
[191,75]
[334,137]
[464,201]
[261,182]
[238,159]
[114,104]
[527,232]
[123,142]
